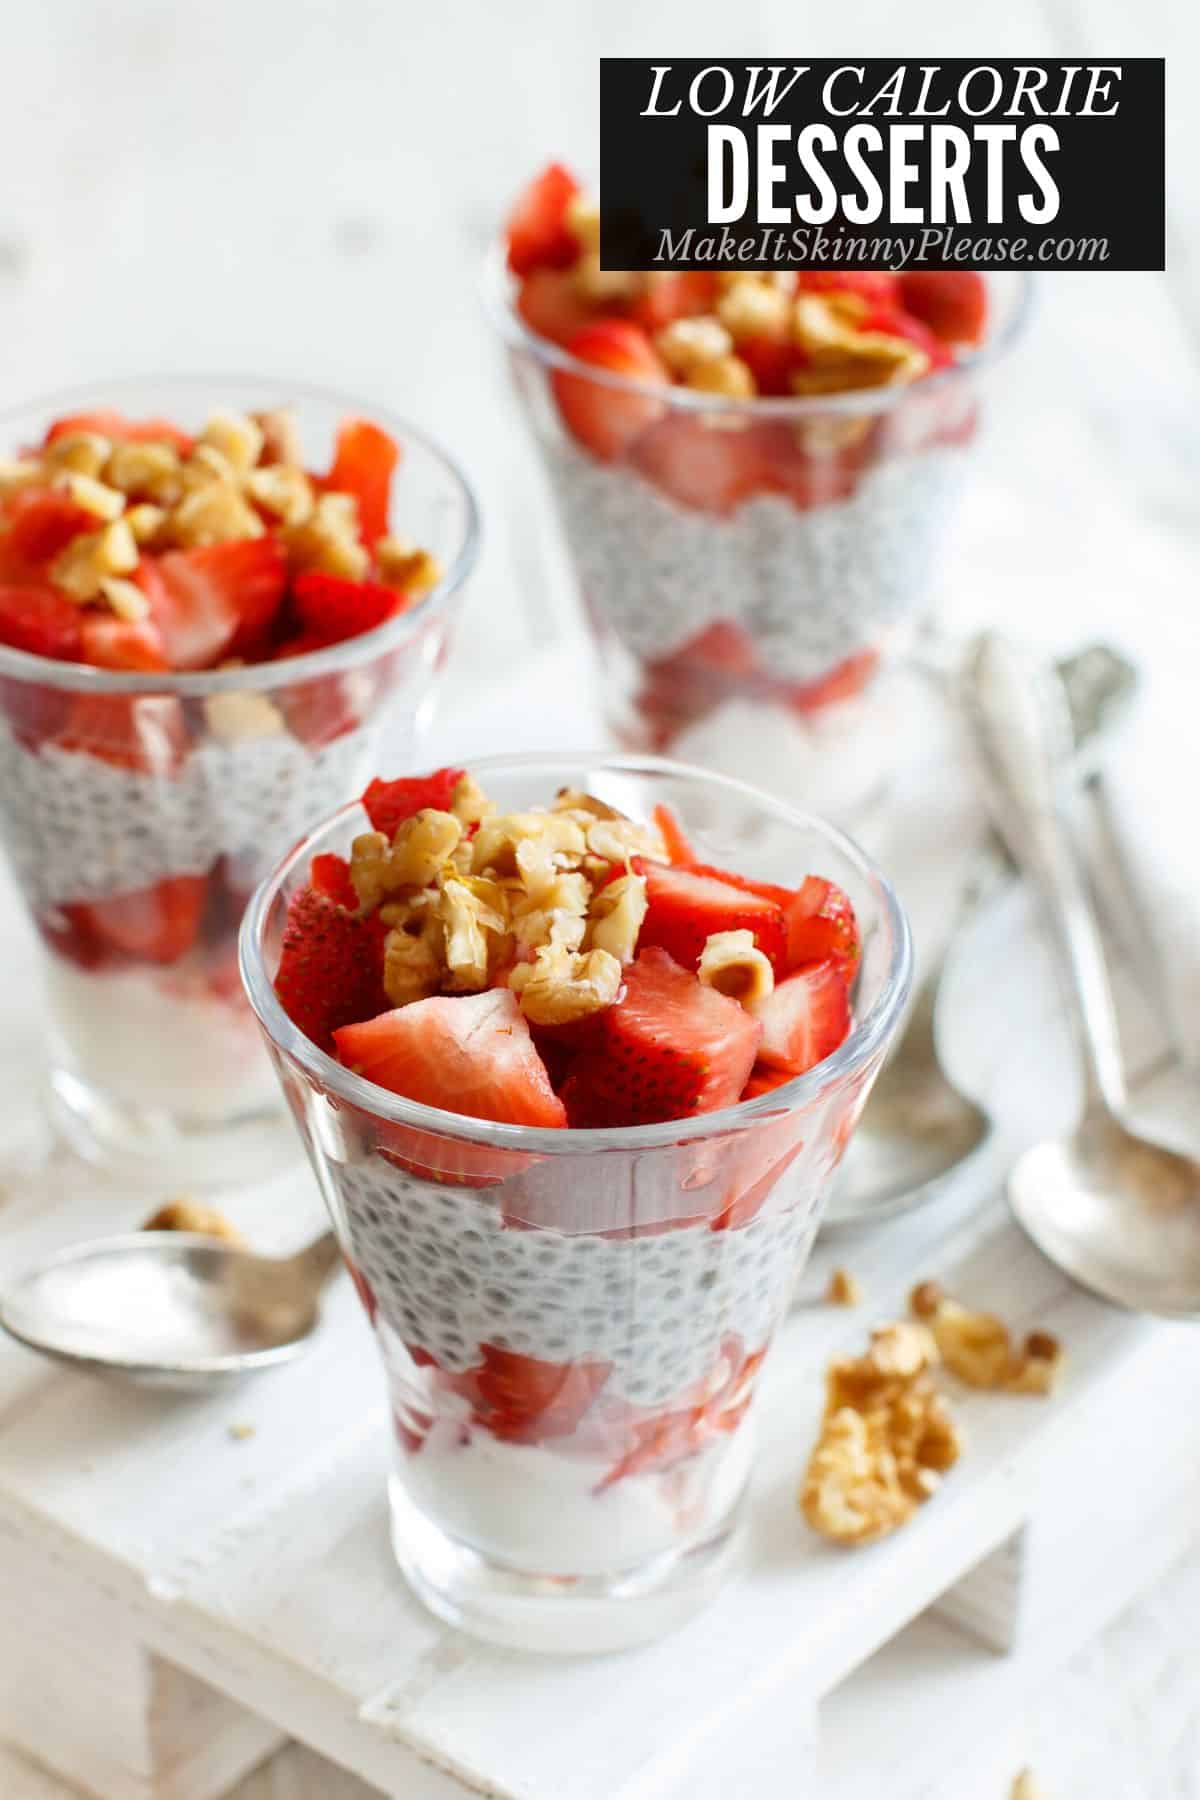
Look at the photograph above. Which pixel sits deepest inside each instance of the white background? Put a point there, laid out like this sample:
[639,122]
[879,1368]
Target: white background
[300,188]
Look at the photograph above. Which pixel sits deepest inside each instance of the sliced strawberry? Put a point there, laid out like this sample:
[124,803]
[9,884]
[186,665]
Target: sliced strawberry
[537,231]
[215,602]
[895,322]
[844,682]
[673,294]
[143,732]
[41,522]
[40,620]
[155,924]
[805,1019]
[672,833]
[605,418]
[770,360]
[687,905]
[330,609]
[470,1054]
[389,803]
[364,461]
[877,287]
[112,643]
[552,306]
[764,1080]
[330,967]
[526,1400]
[807,467]
[667,1049]
[322,709]
[114,425]
[718,1403]
[330,875]
[700,465]
[821,926]
[952,302]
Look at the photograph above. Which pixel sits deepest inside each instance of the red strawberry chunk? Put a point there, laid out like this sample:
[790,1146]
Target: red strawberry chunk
[524,1399]
[112,643]
[700,465]
[805,1019]
[551,305]
[821,925]
[114,425]
[156,924]
[538,234]
[329,608]
[686,906]
[40,620]
[843,682]
[676,294]
[470,1054]
[678,848]
[41,522]
[389,803]
[322,709]
[764,1080]
[330,966]
[878,287]
[603,417]
[364,461]
[952,302]
[143,732]
[330,875]
[667,1049]
[215,602]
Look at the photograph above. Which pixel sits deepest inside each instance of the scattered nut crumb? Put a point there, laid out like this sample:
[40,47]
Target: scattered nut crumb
[185,1214]
[240,1431]
[1024,1787]
[843,1290]
[978,1347]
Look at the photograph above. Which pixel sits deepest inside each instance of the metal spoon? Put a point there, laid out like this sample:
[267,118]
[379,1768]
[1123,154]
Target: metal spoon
[918,1128]
[1115,1210]
[170,1309]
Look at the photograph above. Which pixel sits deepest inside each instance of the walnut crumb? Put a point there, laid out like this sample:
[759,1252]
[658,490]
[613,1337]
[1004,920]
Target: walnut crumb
[1024,1787]
[185,1214]
[240,1430]
[844,1289]
[978,1348]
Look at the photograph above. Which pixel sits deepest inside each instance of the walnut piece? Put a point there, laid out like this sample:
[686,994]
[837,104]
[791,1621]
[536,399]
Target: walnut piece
[726,376]
[280,436]
[754,309]
[146,472]
[732,963]
[413,952]
[886,1439]
[843,1289]
[841,356]
[82,452]
[92,496]
[615,915]
[87,559]
[686,344]
[328,539]
[978,1347]
[417,854]
[470,910]
[402,566]
[237,437]
[241,714]
[560,985]
[214,513]
[185,1214]
[282,490]
[1024,1787]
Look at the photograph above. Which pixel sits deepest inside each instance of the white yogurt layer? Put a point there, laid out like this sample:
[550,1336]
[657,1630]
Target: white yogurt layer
[160,1039]
[811,587]
[544,1510]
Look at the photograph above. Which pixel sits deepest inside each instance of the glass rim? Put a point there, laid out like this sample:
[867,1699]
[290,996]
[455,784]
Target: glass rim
[518,335]
[864,1038]
[196,684]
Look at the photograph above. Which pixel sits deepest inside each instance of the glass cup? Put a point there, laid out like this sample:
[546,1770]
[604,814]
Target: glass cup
[752,570]
[139,812]
[572,1322]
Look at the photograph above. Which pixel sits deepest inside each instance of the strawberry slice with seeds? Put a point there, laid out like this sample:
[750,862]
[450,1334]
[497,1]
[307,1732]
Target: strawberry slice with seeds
[953,303]
[821,926]
[685,907]
[157,924]
[329,608]
[552,306]
[41,522]
[389,803]
[674,294]
[700,465]
[805,1019]
[364,461]
[330,875]
[105,422]
[606,418]
[112,643]
[330,970]
[40,620]
[667,1049]
[470,1054]
[525,1399]
[537,230]
[215,602]
[672,833]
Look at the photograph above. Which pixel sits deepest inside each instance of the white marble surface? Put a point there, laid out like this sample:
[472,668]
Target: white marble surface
[304,188]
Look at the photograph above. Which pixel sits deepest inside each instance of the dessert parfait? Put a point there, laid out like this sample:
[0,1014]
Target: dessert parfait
[209,620]
[551,1061]
[752,468]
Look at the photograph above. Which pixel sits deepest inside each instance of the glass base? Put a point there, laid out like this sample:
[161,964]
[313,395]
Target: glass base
[149,1145]
[554,1613]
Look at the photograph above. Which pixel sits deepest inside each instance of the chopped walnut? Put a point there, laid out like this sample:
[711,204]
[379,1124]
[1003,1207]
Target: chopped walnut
[600,284]
[80,452]
[214,513]
[843,1289]
[550,909]
[17,472]
[186,1214]
[616,912]
[582,220]
[732,963]
[242,714]
[470,910]
[92,496]
[584,807]
[754,309]
[616,840]
[125,598]
[416,856]
[560,985]
[412,958]
[728,377]
[282,490]
[886,1439]
[280,436]
[978,1348]
[1024,1787]
[146,472]
[685,344]
[237,437]
[402,566]
[205,465]
[328,539]
[843,357]
[145,521]
[560,843]
[87,559]
[469,802]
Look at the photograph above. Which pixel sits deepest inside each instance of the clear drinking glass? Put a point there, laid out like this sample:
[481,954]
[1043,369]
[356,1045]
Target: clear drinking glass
[139,812]
[572,1322]
[751,570]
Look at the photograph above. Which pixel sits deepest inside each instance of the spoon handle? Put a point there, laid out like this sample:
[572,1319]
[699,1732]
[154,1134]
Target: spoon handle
[1018,716]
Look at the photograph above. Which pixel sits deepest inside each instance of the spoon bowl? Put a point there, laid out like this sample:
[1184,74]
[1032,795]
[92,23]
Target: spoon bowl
[169,1309]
